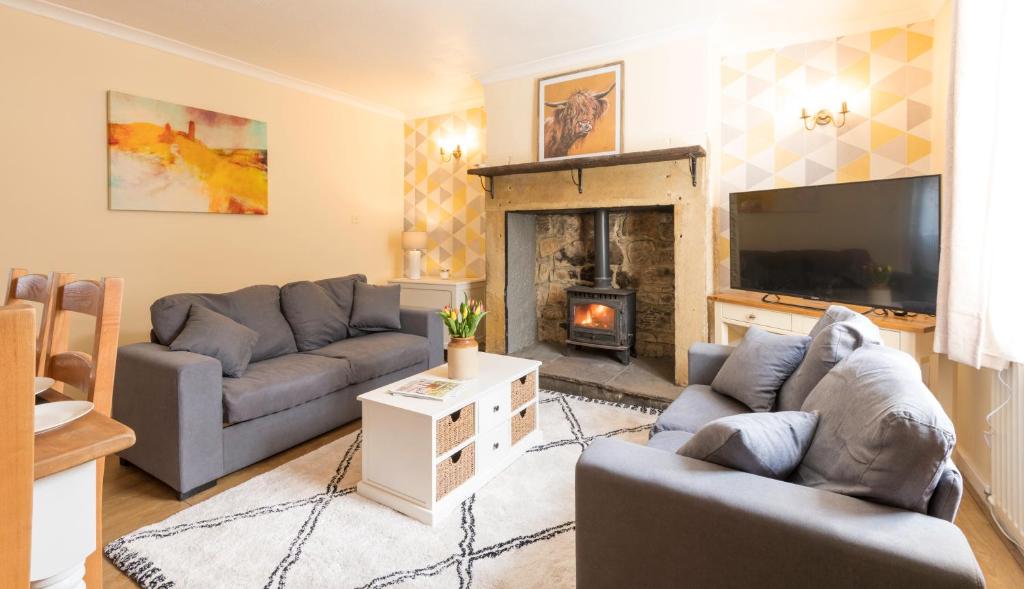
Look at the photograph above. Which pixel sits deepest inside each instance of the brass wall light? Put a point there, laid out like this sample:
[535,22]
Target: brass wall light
[446,156]
[824,117]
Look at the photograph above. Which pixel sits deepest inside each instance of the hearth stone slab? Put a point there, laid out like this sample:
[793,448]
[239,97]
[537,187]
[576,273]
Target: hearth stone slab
[645,382]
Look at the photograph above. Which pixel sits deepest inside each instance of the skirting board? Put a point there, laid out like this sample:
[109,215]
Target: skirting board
[979,485]
[979,488]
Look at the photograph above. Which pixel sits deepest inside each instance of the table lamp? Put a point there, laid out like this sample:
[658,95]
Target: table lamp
[413,242]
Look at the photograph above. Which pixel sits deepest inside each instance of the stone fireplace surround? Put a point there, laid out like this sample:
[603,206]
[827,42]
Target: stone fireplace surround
[512,242]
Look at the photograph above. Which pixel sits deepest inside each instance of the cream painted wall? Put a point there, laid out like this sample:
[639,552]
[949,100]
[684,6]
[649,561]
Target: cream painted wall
[665,103]
[335,174]
[972,401]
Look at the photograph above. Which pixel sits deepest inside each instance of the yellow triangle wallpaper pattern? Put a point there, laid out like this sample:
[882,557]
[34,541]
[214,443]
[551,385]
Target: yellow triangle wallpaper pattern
[440,198]
[885,77]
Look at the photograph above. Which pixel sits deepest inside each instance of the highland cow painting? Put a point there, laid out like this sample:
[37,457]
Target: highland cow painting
[169,157]
[580,113]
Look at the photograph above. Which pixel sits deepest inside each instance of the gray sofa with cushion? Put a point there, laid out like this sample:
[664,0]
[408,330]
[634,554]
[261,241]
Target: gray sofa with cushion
[310,361]
[870,505]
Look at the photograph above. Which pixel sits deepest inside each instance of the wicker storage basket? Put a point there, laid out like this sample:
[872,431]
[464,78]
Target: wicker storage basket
[524,390]
[455,470]
[523,423]
[456,428]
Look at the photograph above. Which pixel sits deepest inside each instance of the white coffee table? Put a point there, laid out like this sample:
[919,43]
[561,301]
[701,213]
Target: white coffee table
[423,457]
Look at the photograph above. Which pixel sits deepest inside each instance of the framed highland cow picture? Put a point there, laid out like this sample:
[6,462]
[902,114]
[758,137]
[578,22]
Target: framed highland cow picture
[580,113]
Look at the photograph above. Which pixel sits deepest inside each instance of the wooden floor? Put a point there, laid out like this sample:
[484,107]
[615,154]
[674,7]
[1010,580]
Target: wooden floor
[133,499]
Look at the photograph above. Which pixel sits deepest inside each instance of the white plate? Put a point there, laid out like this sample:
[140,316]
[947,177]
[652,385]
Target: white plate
[54,415]
[43,383]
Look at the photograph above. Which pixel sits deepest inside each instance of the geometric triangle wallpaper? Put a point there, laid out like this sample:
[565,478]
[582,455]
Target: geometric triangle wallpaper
[884,76]
[440,197]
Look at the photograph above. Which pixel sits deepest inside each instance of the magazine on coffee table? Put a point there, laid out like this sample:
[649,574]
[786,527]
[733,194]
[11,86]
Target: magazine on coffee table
[426,388]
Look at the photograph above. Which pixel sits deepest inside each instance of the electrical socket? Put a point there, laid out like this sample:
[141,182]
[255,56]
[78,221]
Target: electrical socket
[355,219]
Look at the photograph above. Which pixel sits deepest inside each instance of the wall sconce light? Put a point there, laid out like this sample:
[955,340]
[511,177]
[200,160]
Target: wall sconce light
[446,156]
[824,117]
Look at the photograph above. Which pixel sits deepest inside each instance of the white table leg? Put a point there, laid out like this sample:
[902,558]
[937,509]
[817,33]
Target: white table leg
[73,578]
[63,527]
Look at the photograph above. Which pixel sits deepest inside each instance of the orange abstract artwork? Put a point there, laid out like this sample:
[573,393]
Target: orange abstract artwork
[169,157]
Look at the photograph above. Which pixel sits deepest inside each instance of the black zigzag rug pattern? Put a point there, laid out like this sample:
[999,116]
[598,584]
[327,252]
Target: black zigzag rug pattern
[147,573]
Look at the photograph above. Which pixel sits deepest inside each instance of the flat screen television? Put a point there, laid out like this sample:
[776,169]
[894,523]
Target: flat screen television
[872,243]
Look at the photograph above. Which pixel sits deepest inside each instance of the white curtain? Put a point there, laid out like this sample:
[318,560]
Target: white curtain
[981,280]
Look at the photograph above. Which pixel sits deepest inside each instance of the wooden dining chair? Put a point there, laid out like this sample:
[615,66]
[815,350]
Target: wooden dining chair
[24,286]
[93,374]
[17,407]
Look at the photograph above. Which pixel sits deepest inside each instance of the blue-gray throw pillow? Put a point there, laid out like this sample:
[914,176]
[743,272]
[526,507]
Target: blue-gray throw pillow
[758,366]
[766,444]
[833,314]
[881,433]
[211,334]
[316,319]
[256,307]
[342,291]
[376,308]
[838,333]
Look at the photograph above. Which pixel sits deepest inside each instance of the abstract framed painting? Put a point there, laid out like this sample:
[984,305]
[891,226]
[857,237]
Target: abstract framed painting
[168,157]
[580,113]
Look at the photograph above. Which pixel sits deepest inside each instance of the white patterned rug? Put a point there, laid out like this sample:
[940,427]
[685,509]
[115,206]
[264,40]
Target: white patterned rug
[302,524]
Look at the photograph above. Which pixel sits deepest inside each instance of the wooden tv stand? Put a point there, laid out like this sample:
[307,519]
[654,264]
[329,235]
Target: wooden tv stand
[733,311]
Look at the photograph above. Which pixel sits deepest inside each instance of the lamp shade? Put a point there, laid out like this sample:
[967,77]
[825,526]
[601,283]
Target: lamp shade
[414,240]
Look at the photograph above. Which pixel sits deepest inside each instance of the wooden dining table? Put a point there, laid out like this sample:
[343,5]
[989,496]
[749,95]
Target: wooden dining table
[66,526]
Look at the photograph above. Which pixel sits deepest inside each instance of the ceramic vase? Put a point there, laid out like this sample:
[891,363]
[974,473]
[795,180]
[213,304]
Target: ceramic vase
[463,358]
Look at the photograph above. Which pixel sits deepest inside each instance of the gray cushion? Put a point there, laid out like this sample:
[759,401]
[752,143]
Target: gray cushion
[833,314]
[211,334]
[342,292]
[376,308]
[945,501]
[377,354]
[315,318]
[881,434]
[696,406]
[766,444]
[835,341]
[256,307]
[669,441]
[281,383]
[758,366]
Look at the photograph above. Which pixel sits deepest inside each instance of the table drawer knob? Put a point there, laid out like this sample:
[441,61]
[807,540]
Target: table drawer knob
[496,445]
[497,408]
[751,316]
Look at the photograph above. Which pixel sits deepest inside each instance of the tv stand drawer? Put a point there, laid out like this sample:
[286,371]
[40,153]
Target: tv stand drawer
[758,317]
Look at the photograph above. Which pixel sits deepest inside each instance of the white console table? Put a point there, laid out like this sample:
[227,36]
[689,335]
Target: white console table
[734,311]
[434,292]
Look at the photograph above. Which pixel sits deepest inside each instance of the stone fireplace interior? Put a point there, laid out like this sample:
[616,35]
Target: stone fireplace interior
[586,303]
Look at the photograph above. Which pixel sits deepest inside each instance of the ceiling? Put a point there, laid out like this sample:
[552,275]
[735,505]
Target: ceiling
[420,57]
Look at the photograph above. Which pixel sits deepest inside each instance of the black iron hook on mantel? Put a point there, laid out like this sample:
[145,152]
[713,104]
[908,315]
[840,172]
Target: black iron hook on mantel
[577,183]
[483,184]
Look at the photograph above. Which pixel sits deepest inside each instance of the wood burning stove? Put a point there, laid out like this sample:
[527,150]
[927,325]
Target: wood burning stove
[601,316]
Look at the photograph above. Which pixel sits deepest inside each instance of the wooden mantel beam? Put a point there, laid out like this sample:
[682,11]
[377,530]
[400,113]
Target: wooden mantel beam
[599,161]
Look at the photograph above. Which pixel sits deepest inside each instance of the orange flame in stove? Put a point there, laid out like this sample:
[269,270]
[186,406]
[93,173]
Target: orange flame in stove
[594,316]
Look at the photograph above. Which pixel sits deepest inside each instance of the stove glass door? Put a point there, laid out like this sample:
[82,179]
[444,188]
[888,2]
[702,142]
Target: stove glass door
[593,316]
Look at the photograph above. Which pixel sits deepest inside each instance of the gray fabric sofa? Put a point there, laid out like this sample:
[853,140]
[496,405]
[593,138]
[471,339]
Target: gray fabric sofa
[194,425]
[649,517]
